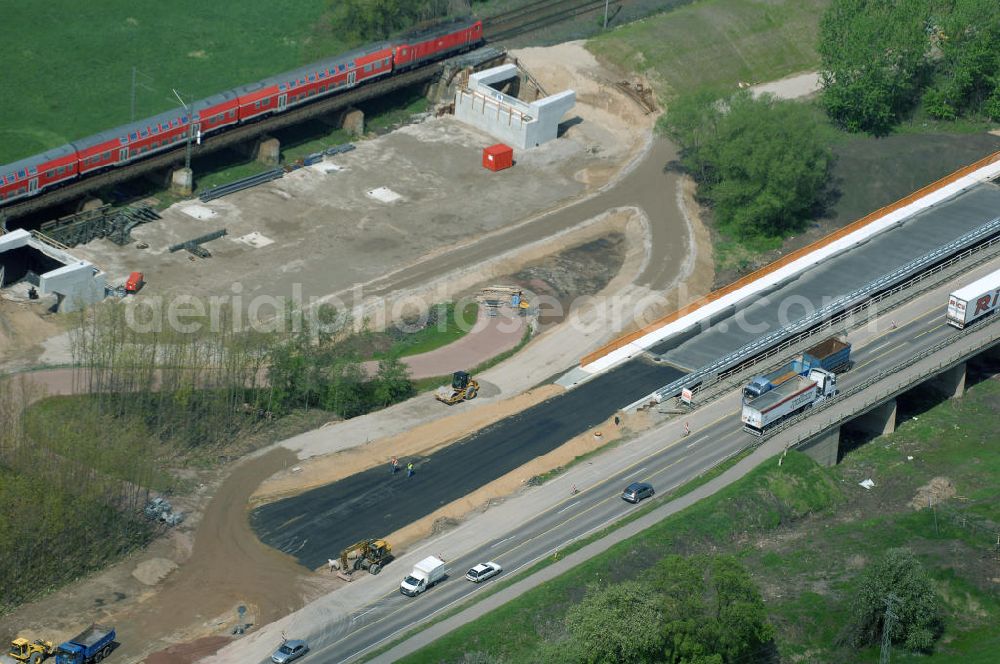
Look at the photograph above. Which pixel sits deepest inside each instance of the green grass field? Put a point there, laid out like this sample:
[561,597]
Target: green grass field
[68,70]
[717,43]
[805,532]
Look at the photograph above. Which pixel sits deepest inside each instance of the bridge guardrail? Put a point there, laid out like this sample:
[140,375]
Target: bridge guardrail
[886,287]
[898,388]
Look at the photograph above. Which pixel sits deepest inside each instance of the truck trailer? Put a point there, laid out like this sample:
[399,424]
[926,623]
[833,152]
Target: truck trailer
[831,354]
[790,397]
[92,645]
[425,574]
[972,302]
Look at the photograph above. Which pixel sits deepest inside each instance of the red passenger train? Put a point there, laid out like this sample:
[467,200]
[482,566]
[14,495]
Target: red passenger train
[136,140]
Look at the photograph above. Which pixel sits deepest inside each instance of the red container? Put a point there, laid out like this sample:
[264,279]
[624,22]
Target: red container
[134,283]
[498,157]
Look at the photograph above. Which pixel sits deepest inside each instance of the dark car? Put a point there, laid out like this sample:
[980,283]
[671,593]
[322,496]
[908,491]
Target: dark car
[289,651]
[636,491]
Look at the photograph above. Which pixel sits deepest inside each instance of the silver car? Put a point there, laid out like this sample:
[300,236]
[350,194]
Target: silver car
[289,651]
[483,571]
[636,491]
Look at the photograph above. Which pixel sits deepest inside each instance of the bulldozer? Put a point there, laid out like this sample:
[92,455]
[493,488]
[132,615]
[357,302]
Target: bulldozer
[370,554]
[463,388]
[32,652]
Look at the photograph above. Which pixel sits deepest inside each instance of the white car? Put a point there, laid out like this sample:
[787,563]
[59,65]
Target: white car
[483,571]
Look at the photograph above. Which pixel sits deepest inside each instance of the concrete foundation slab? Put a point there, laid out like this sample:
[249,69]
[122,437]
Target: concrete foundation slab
[515,122]
[75,283]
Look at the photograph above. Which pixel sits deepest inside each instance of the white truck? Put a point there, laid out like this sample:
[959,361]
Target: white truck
[425,574]
[792,396]
[974,301]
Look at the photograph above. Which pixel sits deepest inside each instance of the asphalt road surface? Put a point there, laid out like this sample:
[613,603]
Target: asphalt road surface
[391,615]
[316,525]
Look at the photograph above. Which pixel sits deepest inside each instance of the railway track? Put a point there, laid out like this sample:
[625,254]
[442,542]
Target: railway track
[528,18]
[537,15]
[216,142]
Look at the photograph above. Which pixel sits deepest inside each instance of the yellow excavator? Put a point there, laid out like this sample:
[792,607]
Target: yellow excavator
[370,554]
[32,652]
[463,388]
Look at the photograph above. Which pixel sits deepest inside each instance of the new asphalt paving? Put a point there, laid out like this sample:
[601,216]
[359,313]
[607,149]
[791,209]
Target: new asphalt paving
[316,525]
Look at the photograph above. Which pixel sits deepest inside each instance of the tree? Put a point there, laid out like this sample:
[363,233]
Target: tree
[761,163]
[616,624]
[392,382]
[874,61]
[713,611]
[377,19]
[899,578]
[967,41]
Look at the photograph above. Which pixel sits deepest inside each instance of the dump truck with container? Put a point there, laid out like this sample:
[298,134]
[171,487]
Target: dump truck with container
[790,397]
[91,645]
[970,303]
[425,574]
[831,354]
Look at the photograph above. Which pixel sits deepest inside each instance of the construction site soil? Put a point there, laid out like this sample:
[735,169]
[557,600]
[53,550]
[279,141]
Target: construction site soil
[440,238]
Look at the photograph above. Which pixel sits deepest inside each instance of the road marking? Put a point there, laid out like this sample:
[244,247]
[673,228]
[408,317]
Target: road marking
[641,469]
[936,327]
[596,528]
[872,359]
[567,507]
[502,541]
[362,614]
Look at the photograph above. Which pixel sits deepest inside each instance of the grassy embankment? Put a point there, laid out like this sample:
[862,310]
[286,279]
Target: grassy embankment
[805,532]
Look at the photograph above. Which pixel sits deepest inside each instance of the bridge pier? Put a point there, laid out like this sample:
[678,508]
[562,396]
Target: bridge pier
[89,203]
[879,421]
[950,383]
[353,121]
[268,151]
[824,448]
[182,182]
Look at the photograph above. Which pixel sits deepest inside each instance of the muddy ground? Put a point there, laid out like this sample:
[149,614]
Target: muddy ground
[327,231]
[577,272]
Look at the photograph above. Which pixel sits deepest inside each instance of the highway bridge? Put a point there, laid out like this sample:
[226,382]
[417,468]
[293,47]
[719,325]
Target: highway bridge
[889,362]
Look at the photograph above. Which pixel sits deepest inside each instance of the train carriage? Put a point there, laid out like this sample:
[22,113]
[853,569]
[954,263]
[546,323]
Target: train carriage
[215,112]
[127,142]
[119,146]
[418,46]
[29,176]
[275,94]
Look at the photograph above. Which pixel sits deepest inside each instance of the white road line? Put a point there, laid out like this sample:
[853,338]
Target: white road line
[362,614]
[568,506]
[502,541]
[641,469]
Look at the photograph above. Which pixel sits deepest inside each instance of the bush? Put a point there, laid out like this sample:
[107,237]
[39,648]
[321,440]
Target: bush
[761,163]
[897,580]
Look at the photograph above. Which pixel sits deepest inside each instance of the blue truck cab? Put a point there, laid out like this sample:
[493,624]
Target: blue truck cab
[91,645]
[831,354]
